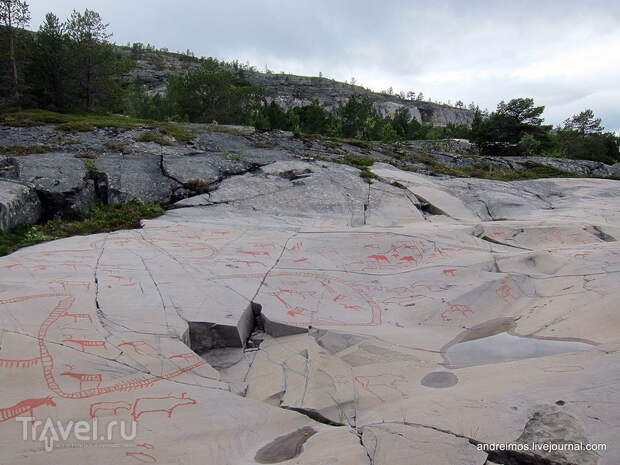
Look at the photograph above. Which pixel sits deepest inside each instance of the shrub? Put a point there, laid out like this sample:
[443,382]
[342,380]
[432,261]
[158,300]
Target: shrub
[100,218]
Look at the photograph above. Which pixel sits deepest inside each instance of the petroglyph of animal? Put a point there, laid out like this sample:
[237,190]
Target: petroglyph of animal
[142,406]
[102,409]
[84,378]
[83,343]
[25,408]
[379,385]
[167,405]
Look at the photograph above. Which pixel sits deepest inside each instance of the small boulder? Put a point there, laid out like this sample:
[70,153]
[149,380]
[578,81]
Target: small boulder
[19,204]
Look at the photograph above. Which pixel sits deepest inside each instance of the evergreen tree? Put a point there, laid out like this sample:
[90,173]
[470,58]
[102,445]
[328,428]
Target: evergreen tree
[313,118]
[354,115]
[213,92]
[49,73]
[584,123]
[97,66]
[14,15]
[400,122]
[514,129]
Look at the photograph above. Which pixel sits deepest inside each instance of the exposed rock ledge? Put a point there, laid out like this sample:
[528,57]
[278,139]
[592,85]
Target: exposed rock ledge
[299,315]
[111,166]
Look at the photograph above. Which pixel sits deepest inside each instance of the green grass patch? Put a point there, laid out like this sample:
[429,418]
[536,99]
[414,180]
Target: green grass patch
[154,136]
[487,171]
[69,122]
[122,147]
[545,171]
[19,150]
[533,171]
[91,167]
[83,122]
[176,131]
[263,145]
[363,164]
[362,144]
[30,118]
[358,162]
[100,218]
[76,126]
[90,155]
[63,139]
[367,175]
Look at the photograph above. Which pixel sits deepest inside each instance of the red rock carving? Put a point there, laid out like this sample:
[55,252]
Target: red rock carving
[378,383]
[84,378]
[85,343]
[143,405]
[25,408]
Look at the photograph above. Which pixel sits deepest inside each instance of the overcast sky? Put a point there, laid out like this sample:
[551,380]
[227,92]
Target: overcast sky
[564,53]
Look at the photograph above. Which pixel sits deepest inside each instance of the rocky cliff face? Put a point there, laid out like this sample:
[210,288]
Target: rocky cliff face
[155,68]
[291,91]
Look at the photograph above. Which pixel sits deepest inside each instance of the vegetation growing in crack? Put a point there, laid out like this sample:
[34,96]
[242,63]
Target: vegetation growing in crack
[178,132]
[198,186]
[122,147]
[90,155]
[17,150]
[363,164]
[154,136]
[99,218]
[91,167]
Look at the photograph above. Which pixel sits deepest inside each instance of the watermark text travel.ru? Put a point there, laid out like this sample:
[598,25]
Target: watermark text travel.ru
[52,431]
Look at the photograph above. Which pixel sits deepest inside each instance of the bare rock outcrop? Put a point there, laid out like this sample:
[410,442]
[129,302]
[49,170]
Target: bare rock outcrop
[295,313]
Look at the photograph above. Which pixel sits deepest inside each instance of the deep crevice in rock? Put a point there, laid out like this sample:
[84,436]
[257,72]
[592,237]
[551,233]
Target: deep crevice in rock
[486,238]
[101,185]
[204,336]
[428,208]
[314,415]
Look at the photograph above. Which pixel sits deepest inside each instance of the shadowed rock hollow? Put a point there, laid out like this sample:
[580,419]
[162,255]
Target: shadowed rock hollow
[322,304]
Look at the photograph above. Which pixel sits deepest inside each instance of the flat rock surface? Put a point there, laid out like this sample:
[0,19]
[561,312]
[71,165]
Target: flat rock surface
[326,310]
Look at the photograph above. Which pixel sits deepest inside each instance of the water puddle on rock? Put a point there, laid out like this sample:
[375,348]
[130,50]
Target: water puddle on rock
[491,343]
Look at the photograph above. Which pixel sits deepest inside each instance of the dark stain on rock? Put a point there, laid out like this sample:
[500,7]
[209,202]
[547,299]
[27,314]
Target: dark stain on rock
[440,379]
[284,447]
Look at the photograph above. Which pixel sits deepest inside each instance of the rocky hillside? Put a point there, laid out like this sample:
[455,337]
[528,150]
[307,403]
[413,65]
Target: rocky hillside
[46,171]
[155,68]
